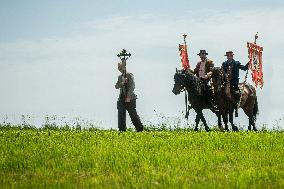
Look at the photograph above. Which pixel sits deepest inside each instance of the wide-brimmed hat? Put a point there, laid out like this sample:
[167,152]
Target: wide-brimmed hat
[202,52]
[229,52]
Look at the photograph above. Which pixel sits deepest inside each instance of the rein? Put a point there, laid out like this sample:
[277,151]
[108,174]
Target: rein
[186,105]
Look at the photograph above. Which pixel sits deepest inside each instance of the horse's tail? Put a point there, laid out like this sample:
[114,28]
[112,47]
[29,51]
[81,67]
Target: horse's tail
[255,107]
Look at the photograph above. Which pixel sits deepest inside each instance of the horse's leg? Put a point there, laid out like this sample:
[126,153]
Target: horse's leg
[197,119]
[253,123]
[204,121]
[225,120]
[254,127]
[220,121]
[231,119]
[250,122]
[251,112]
[255,112]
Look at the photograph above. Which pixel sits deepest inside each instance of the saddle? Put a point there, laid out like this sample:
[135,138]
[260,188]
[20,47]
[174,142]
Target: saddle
[242,89]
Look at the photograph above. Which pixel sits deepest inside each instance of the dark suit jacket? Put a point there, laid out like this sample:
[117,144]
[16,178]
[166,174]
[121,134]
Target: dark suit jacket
[236,65]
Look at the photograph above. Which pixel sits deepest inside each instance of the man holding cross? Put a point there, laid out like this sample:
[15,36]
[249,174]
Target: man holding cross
[127,97]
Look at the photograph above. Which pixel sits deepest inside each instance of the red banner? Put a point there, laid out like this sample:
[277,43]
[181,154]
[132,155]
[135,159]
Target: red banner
[184,56]
[255,63]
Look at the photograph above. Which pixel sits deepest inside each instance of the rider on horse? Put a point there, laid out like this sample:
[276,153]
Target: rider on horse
[231,68]
[203,70]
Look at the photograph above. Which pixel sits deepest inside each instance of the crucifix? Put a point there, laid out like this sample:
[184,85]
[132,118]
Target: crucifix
[124,55]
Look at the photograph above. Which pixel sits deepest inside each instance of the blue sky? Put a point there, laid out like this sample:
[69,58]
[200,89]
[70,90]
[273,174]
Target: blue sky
[40,19]
[59,57]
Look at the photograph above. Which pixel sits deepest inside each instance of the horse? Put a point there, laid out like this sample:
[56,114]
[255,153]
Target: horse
[197,95]
[226,103]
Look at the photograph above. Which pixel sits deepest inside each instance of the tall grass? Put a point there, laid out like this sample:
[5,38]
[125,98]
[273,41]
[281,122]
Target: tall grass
[82,158]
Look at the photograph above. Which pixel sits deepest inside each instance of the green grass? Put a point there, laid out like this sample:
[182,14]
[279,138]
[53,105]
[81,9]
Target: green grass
[64,158]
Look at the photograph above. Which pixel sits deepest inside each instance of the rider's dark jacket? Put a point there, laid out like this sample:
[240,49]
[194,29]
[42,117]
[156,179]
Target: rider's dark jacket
[234,66]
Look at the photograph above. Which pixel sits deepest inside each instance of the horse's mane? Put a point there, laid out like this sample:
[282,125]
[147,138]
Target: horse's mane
[195,84]
[217,73]
[216,70]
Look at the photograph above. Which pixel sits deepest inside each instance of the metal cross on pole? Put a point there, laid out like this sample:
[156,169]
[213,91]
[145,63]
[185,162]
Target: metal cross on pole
[124,55]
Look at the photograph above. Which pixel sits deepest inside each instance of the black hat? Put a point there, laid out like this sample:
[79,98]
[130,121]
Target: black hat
[229,52]
[202,52]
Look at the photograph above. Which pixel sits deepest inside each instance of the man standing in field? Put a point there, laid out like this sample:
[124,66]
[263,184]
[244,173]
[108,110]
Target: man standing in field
[127,100]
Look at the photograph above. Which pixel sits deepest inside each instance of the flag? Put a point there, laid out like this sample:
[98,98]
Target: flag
[255,63]
[184,56]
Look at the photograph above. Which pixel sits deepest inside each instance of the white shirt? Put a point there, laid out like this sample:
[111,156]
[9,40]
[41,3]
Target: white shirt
[202,69]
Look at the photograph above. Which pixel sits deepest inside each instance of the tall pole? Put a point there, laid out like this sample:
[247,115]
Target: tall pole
[184,37]
[124,55]
[255,37]
[185,91]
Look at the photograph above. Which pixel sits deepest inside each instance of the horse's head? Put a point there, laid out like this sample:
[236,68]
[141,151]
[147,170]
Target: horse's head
[180,80]
[217,78]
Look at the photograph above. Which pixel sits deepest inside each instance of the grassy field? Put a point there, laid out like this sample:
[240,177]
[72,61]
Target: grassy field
[64,158]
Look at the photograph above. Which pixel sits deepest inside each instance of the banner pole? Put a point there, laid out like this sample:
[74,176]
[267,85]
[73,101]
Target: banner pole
[184,36]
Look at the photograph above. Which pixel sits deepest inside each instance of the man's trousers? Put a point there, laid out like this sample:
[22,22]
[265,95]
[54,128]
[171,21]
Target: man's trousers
[131,108]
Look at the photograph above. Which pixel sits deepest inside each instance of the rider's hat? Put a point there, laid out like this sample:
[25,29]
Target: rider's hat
[202,52]
[228,53]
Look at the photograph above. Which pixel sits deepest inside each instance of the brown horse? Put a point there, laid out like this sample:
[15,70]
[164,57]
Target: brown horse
[225,101]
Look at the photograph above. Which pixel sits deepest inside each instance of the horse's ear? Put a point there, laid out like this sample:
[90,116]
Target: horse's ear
[176,70]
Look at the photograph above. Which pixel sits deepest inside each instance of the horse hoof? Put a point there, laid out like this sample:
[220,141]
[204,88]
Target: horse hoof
[195,129]
[221,128]
[207,129]
[235,128]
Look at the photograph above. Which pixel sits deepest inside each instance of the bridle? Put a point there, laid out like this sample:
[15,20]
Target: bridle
[183,89]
